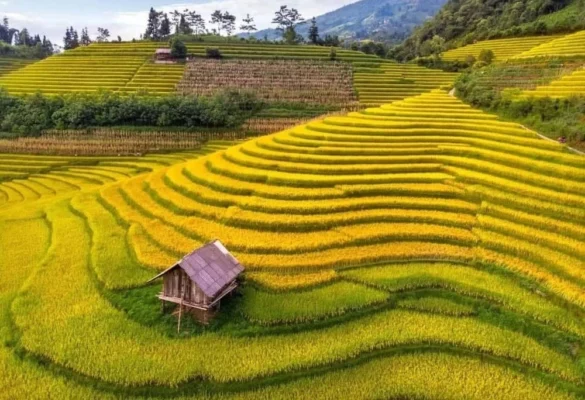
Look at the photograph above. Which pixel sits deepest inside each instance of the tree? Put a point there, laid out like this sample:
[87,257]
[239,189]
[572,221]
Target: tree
[217,19]
[248,25]
[291,36]
[178,48]
[153,27]
[331,41]
[23,38]
[437,45]
[47,47]
[67,39]
[103,35]
[487,56]
[176,18]
[314,32]
[71,39]
[198,24]
[85,39]
[7,34]
[195,21]
[165,26]
[184,27]
[74,38]
[228,23]
[333,54]
[286,19]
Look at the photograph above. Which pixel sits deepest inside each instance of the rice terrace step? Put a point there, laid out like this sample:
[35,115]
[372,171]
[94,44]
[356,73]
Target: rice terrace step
[361,205]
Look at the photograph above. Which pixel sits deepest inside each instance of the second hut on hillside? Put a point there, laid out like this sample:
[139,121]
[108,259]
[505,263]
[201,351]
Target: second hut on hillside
[199,281]
[164,56]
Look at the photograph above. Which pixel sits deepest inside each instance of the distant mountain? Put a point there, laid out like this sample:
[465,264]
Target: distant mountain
[385,20]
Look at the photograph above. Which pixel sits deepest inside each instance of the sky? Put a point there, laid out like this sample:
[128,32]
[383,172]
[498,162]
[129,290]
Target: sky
[127,18]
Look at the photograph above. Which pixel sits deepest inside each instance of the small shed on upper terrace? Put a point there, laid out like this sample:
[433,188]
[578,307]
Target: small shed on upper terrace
[164,56]
[200,280]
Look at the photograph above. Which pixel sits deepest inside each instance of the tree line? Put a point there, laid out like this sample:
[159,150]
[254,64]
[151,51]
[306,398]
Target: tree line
[73,39]
[161,25]
[21,43]
[30,115]
[189,22]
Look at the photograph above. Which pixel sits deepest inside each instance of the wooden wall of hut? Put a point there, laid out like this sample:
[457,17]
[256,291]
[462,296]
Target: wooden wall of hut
[178,285]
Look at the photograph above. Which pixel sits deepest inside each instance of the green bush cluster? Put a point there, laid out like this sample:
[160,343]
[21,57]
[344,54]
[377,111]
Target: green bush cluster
[447,66]
[554,117]
[29,115]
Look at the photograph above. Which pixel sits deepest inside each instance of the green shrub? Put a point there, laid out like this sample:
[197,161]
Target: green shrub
[333,54]
[213,52]
[487,56]
[553,117]
[30,115]
[178,48]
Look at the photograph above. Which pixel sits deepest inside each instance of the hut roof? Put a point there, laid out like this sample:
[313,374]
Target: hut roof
[163,51]
[211,267]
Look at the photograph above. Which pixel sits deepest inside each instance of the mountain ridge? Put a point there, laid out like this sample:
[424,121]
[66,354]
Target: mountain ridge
[383,20]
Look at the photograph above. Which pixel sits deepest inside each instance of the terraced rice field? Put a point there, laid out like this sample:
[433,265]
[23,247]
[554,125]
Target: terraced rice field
[12,64]
[387,82]
[567,86]
[503,48]
[28,178]
[566,46]
[229,50]
[417,248]
[128,68]
[67,73]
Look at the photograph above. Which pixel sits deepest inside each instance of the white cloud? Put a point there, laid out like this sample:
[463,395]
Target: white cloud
[18,17]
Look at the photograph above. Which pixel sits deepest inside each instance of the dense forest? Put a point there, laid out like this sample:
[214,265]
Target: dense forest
[462,22]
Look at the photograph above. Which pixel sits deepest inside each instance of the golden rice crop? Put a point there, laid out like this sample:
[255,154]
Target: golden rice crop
[281,282]
[55,317]
[495,221]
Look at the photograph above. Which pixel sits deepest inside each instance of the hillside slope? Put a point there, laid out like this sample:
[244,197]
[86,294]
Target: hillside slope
[497,314]
[388,20]
[463,22]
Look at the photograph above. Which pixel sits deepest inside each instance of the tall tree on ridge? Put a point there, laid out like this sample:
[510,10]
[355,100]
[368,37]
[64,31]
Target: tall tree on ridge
[165,26]
[217,19]
[67,39]
[74,38]
[286,19]
[23,38]
[153,27]
[71,39]
[314,32]
[184,27]
[103,35]
[196,22]
[248,25]
[7,34]
[228,23]
[85,40]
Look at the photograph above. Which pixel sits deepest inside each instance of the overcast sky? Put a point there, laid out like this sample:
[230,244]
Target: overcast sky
[127,18]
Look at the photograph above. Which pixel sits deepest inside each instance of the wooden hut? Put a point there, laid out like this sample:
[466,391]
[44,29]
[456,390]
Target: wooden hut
[199,281]
[164,56]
